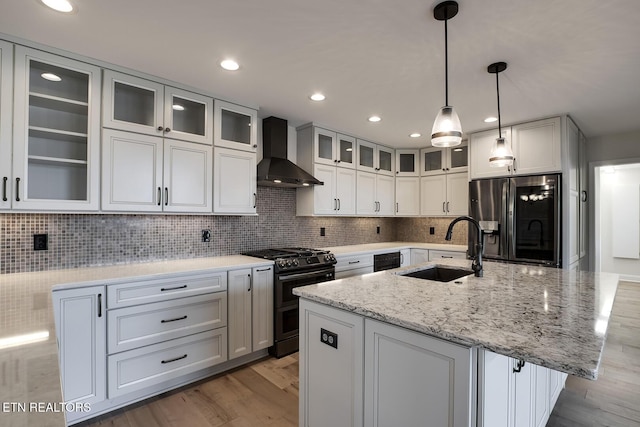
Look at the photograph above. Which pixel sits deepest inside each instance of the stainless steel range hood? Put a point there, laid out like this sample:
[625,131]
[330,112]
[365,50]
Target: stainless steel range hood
[274,170]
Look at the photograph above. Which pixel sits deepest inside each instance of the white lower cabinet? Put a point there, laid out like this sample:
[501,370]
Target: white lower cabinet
[250,310]
[405,257]
[410,378]
[515,395]
[331,372]
[353,265]
[80,318]
[435,255]
[419,256]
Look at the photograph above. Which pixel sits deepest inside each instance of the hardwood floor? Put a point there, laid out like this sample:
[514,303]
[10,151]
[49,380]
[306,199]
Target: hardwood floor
[265,393]
[614,399]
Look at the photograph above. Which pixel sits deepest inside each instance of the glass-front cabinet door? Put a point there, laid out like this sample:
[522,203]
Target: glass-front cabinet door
[324,146]
[407,162]
[188,116]
[386,160]
[56,132]
[346,151]
[432,161]
[458,158]
[235,126]
[132,104]
[6,88]
[367,156]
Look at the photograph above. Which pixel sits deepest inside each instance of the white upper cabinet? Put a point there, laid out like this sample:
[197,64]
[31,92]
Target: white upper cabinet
[375,195]
[375,158]
[6,99]
[236,127]
[332,148]
[407,163]
[536,149]
[139,105]
[152,174]
[56,135]
[234,181]
[435,160]
[444,195]
[408,196]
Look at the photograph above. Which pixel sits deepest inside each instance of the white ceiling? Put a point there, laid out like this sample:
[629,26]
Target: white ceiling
[383,57]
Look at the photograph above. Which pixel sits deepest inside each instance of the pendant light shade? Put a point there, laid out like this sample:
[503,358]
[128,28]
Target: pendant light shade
[501,154]
[446,131]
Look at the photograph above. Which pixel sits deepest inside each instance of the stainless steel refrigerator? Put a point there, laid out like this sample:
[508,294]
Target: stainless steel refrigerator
[520,218]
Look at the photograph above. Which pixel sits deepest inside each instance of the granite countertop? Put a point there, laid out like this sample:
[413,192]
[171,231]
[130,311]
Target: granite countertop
[386,246]
[546,316]
[30,391]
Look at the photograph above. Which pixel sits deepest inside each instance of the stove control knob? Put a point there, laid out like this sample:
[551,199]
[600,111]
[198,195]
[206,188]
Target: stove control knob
[281,263]
[294,262]
[288,263]
[327,258]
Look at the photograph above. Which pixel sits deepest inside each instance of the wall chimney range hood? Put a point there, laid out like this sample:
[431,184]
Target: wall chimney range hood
[274,170]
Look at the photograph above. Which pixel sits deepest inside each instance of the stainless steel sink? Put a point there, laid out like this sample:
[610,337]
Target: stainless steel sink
[439,273]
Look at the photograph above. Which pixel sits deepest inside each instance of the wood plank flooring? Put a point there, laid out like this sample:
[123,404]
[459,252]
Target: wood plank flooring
[265,393]
[614,398]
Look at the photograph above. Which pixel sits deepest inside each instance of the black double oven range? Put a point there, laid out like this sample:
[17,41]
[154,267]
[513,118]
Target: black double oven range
[293,267]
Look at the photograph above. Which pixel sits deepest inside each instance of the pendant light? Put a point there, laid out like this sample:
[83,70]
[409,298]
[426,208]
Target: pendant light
[501,154]
[446,131]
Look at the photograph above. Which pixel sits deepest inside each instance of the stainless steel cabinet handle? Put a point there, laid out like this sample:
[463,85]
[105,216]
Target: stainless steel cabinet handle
[173,320]
[338,204]
[159,196]
[166,196]
[99,305]
[17,189]
[447,206]
[354,262]
[4,188]
[173,289]
[255,200]
[443,203]
[174,360]
[397,207]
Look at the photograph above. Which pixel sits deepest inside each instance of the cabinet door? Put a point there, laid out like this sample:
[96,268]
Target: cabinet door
[235,126]
[366,156]
[131,172]
[188,174]
[324,147]
[366,203]
[80,317]
[385,160]
[411,377]
[541,408]
[345,191]
[324,196]
[458,158]
[346,150]
[457,194]
[239,312]
[405,257]
[433,195]
[523,397]
[262,312]
[6,99]
[419,256]
[480,146]
[408,196]
[330,377]
[495,400]
[386,195]
[188,116]
[407,163]
[433,161]
[235,181]
[536,147]
[56,132]
[132,104]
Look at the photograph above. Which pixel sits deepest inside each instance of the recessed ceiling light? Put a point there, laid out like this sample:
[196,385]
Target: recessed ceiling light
[317,97]
[229,64]
[349,149]
[491,119]
[51,77]
[59,5]
[374,119]
[277,181]
[305,184]
[177,107]
[415,135]
[457,149]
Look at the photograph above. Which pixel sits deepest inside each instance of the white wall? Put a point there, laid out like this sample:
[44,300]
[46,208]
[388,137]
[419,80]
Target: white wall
[628,177]
[614,147]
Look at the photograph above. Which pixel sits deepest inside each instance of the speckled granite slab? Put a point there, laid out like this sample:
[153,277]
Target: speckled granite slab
[550,317]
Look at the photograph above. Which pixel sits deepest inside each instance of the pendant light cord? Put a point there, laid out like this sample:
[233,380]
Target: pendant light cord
[498,93]
[446,62]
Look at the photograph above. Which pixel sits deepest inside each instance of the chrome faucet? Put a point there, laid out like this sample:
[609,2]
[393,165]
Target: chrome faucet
[476,265]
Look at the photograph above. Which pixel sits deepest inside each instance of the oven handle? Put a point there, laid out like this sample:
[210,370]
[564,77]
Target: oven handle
[319,273]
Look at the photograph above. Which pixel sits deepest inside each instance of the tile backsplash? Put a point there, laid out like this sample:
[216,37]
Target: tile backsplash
[83,240]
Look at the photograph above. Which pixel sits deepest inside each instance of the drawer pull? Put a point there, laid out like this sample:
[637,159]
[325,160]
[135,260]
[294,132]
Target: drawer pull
[446,256]
[264,269]
[173,320]
[174,360]
[172,289]
[354,262]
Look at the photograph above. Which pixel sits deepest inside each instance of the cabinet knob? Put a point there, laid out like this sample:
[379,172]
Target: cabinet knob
[167,129]
[255,145]
[160,128]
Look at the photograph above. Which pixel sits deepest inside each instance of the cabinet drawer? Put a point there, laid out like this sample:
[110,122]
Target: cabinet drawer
[353,261]
[437,255]
[354,272]
[144,367]
[137,326]
[154,290]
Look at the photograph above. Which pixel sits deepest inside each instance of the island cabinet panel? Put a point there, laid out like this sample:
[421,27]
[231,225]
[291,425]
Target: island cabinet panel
[411,378]
[330,375]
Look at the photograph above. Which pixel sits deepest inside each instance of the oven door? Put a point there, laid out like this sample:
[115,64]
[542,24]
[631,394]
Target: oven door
[286,282]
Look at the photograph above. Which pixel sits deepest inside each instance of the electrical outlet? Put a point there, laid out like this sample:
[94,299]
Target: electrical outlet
[378,230]
[432,230]
[40,242]
[322,231]
[206,235]
[329,338]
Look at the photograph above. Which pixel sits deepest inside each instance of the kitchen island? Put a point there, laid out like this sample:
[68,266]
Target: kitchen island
[552,319]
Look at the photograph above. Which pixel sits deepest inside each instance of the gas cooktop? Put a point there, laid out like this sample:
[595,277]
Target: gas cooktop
[291,259]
